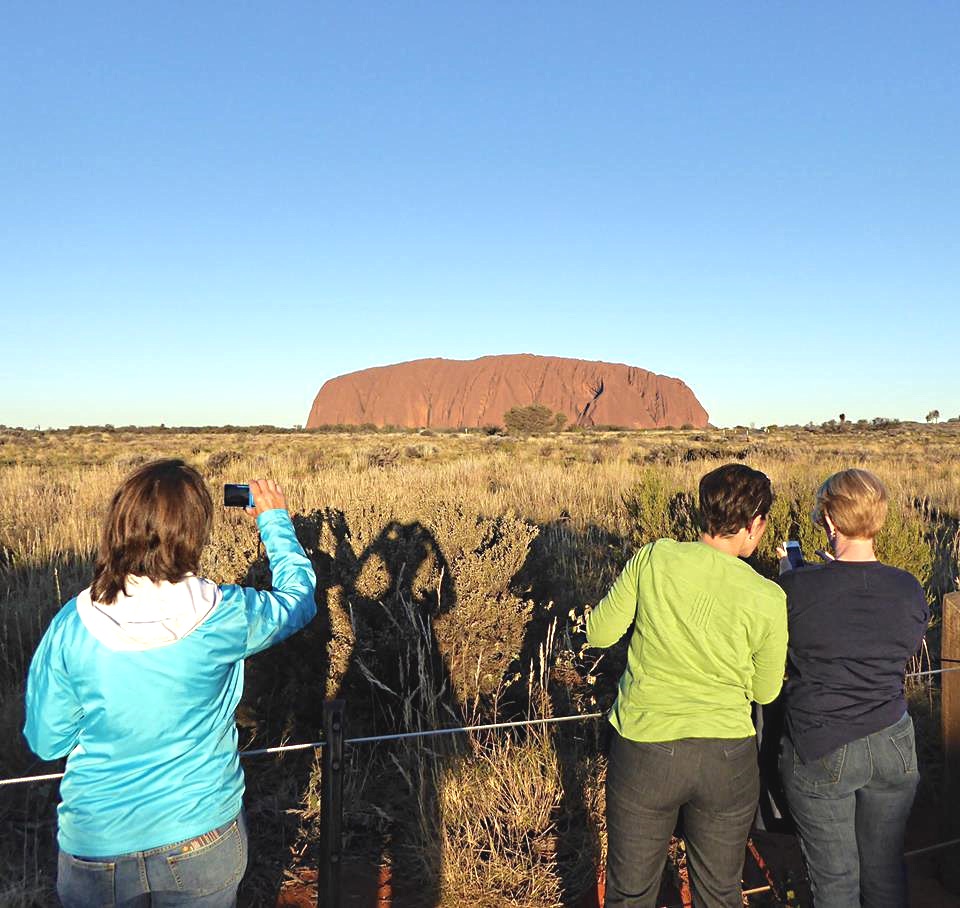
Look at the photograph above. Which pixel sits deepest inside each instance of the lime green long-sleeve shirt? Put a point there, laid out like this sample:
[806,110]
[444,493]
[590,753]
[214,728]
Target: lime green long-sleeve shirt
[709,635]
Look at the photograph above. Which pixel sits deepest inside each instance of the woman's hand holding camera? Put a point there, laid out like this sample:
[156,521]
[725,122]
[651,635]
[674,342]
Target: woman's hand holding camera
[267,496]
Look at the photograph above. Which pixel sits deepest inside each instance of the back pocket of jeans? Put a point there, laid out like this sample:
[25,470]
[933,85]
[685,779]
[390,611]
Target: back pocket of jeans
[212,867]
[906,746]
[83,883]
[663,747]
[735,748]
[825,771]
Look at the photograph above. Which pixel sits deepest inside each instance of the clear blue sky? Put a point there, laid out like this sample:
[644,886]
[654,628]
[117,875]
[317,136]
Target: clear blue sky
[208,209]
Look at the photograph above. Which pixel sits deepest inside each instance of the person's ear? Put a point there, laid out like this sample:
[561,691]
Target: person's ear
[755,527]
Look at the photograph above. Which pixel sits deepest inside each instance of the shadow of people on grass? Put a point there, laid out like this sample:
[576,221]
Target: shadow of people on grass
[282,702]
[396,680]
[394,590]
[372,645]
[567,568]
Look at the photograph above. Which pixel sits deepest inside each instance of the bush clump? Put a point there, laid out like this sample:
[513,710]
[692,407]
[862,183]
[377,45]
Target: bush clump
[382,458]
[220,460]
[534,419]
[656,510]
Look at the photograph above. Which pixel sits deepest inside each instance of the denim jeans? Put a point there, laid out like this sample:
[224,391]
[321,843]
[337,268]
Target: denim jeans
[712,784]
[204,871]
[851,809]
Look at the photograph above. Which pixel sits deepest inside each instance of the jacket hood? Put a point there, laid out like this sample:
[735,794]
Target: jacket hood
[148,615]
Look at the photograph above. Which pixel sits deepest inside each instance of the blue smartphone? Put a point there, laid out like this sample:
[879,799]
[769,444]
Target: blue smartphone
[237,495]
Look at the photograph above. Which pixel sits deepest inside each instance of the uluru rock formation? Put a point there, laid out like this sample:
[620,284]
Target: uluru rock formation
[450,393]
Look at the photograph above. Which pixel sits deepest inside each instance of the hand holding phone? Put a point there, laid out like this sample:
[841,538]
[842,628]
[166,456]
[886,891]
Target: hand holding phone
[256,497]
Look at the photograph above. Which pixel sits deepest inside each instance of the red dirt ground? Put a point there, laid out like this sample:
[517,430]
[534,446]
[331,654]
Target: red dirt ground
[358,892]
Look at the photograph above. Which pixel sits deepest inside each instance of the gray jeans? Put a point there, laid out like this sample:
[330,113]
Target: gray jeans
[712,784]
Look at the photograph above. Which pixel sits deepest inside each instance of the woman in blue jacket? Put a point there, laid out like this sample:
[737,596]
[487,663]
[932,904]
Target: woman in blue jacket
[136,681]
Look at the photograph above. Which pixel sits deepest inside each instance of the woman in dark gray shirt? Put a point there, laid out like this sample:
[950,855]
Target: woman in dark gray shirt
[848,760]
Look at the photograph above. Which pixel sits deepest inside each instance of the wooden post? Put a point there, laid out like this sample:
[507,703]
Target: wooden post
[331,805]
[950,725]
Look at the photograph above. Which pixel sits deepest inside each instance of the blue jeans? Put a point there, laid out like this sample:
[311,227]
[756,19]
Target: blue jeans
[712,784]
[203,871]
[851,809]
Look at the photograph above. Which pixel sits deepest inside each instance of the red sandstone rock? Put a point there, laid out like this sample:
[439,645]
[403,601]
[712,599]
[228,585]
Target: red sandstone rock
[450,393]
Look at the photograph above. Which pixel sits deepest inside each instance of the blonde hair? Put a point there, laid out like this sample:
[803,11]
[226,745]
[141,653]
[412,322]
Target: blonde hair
[856,502]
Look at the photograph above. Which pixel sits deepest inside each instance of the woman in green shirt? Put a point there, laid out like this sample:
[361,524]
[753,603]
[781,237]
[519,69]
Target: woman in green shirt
[708,635]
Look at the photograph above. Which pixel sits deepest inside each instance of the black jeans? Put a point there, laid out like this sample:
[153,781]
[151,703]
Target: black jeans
[713,783]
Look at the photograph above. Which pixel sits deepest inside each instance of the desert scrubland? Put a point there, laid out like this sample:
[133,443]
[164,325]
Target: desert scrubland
[452,571]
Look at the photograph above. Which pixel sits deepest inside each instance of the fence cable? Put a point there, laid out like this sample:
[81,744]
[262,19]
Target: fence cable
[45,778]
[933,671]
[316,745]
[931,848]
[427,733]
[433,732]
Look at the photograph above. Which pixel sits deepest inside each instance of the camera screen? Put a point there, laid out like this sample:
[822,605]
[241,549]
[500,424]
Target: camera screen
[236,495]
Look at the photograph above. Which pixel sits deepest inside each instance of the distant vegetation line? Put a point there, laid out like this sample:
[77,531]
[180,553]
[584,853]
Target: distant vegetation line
[519,420]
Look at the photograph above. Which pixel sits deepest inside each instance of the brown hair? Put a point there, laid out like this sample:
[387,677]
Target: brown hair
[856,502]
[731,496]
[157,525]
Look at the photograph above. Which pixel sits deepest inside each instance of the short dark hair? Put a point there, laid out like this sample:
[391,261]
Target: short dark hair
[731,496]
[156,526]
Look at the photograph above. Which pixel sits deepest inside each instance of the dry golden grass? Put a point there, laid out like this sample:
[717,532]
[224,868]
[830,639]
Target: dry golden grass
[443,561]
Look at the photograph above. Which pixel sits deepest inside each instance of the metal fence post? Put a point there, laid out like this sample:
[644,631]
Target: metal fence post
[950,728]
[331,805]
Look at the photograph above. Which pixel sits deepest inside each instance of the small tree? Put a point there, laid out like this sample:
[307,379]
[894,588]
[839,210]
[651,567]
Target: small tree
[534,419]
[933,416]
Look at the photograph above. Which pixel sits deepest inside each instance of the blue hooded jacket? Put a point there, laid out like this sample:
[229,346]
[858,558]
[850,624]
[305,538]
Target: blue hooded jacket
[140,697]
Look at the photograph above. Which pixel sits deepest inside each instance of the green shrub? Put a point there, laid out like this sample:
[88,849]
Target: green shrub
[904,543]
[534,419]
[658,510]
